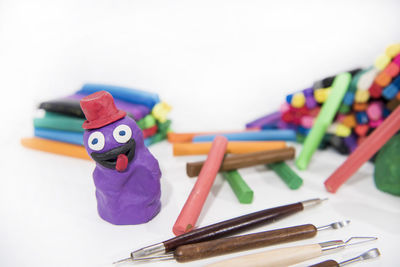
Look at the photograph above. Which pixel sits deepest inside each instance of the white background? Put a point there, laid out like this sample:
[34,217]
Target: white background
[220,64]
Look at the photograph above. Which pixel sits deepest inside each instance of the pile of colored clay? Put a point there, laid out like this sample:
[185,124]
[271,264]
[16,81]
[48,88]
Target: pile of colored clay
[372,95]
[59,130]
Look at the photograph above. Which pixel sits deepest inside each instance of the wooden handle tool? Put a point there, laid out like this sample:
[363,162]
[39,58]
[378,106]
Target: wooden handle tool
[289,256]
[250,241]
[223,229]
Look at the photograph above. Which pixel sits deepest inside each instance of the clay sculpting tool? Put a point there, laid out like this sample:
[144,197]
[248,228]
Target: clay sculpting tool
[264,135]
[324,119]
[190,212]
[222,246]
[368,255]
[224,228]
[365,151]
[291,255]
[183,149]
[238,161]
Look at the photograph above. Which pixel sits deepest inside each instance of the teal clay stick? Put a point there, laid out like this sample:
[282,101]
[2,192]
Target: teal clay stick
[324,119]
[242,191]
[59,122]
[290,178]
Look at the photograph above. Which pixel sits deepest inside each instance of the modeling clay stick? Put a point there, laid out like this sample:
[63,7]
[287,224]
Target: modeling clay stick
[147,122]
[137,111]
[150,131]
[122,93]
[291,179]
[234,162]
[59,122]
[242,191]
[191,210]
[272,118]
[182,149]
[264,135]
[365,151]
[62,136]
[180,137]
[66,106]
[324,119]
[188,137]
[55,147]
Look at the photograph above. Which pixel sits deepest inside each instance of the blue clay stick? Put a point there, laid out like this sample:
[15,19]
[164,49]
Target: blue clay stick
[123,93]
[264,135]
[58,135]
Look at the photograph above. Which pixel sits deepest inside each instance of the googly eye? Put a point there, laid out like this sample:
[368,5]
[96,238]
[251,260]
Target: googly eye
[122,133]
[96,141]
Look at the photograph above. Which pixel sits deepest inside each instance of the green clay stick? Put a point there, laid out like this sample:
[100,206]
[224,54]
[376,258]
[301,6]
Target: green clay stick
[147,122]
[324,119]
[242,191]
[290,178]
[160,135]
[59,122]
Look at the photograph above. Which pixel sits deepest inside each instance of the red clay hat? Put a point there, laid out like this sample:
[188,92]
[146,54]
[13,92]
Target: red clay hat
[100,110]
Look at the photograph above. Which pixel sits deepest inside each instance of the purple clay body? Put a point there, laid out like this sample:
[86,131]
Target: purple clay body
[127,176]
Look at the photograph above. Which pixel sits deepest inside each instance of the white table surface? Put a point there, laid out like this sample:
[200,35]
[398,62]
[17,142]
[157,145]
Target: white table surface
[219,64]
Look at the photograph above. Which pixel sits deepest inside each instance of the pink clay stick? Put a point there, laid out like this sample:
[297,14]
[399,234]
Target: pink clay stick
[365,151]
[192,208]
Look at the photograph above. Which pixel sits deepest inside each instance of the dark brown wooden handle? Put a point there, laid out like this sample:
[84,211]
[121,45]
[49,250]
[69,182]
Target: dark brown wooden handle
[239,243]
[328,263]
[232,226]
[234,162]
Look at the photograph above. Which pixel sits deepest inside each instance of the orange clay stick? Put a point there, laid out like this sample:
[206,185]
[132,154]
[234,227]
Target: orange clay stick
[192,208]
[183,149]
[55,147]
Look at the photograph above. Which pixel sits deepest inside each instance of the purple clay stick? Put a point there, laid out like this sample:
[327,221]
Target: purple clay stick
[310,100]
[127,176]
[351,142]
[137,111]
[270,119]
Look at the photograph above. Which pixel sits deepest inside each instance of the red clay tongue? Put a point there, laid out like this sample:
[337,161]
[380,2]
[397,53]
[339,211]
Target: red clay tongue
[122,162]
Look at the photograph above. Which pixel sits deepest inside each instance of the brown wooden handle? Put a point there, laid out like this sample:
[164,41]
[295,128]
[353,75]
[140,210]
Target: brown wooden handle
[232,226]
[328,263]
[239,243]
[234,162]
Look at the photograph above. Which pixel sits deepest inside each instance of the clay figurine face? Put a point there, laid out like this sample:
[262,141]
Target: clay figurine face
[127,176]
[113,145]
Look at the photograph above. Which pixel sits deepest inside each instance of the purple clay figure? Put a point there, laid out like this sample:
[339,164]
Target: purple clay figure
[127,176]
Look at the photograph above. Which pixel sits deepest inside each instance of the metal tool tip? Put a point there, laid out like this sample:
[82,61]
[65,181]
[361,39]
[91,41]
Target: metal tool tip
[361,239]
[123,260]
[312,202]
[370,254]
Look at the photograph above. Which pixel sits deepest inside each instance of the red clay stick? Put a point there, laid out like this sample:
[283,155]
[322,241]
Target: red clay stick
[365,151]
[192,208]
